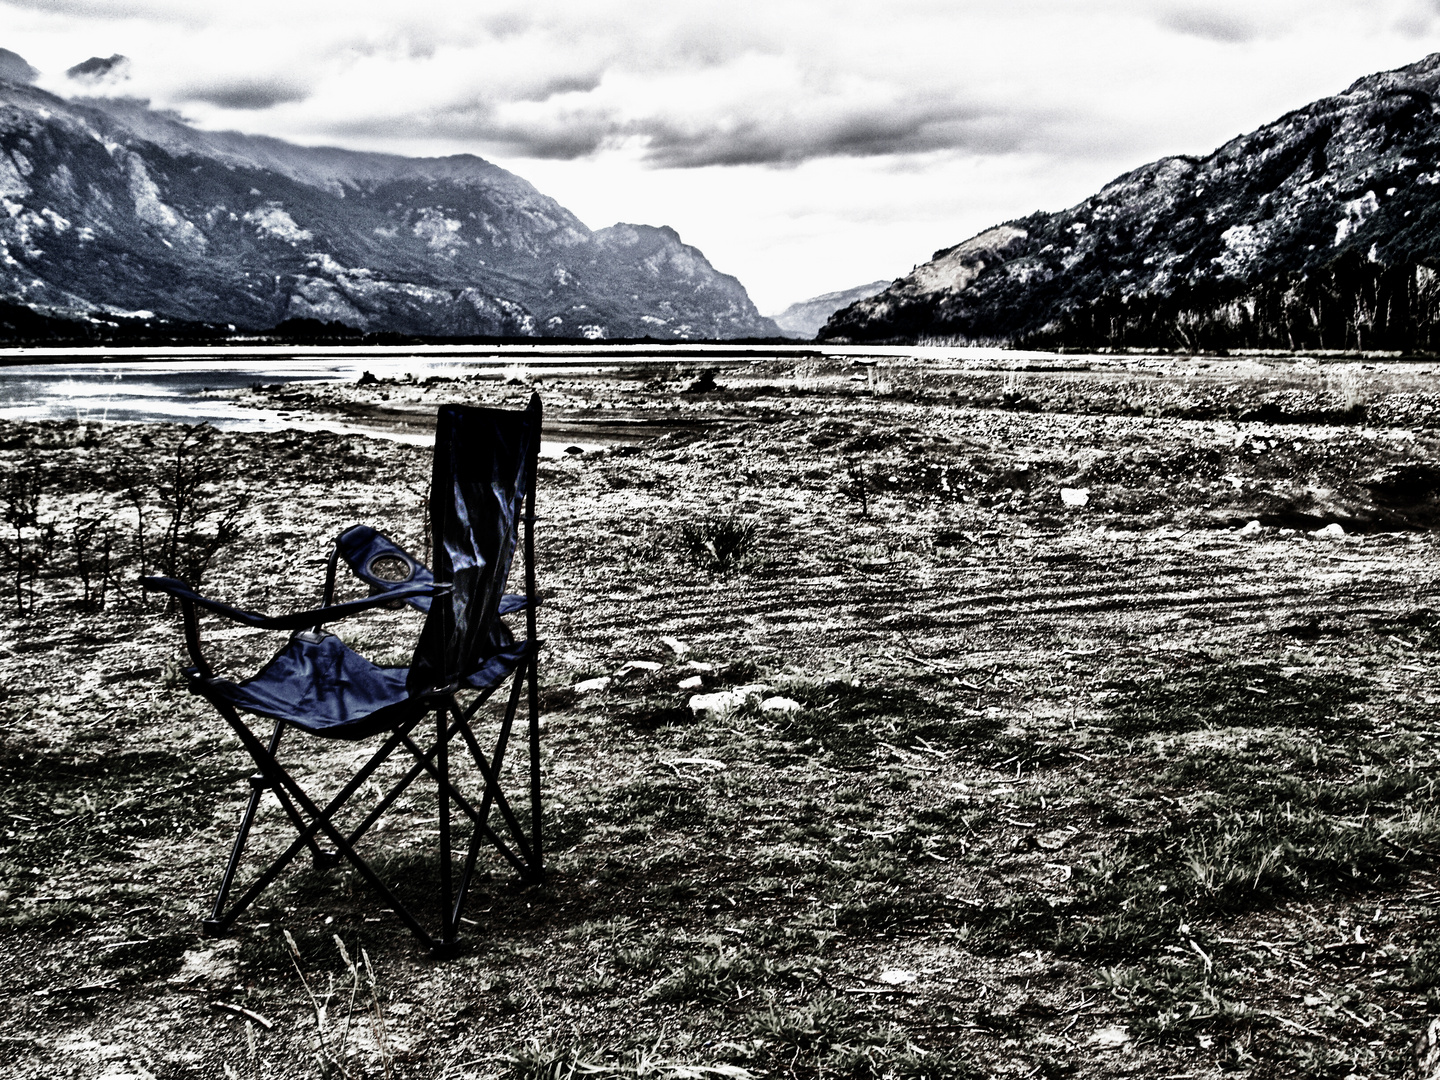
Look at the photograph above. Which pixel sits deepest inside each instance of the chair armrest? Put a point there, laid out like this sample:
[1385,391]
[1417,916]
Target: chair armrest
[300,620]
[361,546]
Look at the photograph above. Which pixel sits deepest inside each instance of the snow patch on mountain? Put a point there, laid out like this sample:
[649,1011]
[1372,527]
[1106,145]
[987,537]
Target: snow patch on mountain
[439,232]
[275,222]
[153,210]
[1356,211]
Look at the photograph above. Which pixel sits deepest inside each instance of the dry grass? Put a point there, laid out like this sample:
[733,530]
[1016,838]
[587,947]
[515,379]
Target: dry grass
[1152,801]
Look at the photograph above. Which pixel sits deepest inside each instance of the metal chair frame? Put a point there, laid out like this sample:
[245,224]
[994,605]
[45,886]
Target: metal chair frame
[524,852]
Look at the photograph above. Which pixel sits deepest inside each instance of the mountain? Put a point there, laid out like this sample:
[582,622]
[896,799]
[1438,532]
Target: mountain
[1319,230]
[805,318]
[111,207]
[14,68]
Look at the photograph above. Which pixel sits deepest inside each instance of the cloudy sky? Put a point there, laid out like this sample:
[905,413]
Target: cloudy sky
[803,146]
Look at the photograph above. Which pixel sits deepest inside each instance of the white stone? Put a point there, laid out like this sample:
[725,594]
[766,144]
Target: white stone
[1333,531]
[592,686]
[1099,533]
[1075,496]
[675,645]
[896,977]
[724,702]
[696,665]
[1108,1038]
[1251,528]
[779,705]
[694,682]
[713,706]
[632,666]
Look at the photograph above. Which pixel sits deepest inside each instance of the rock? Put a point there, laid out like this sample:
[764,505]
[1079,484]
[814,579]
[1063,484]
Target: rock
[675,645]
[703,383]
[1099,533]
[1075,496]
[1427,1052]
[574,451]
[780,705]
[630,667]
[694,682]
[896,977]
[1333,531]
[700,666]
[723,702]
[1251,528]
[592,686]
[714,706]
[217,965]
[1109,1038]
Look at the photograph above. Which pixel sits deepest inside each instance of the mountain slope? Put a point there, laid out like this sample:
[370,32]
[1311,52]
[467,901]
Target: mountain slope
[805,318]
[106,204]
[1318,230]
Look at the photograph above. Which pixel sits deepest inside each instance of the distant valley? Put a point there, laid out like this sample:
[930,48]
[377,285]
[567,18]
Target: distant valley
[805,318]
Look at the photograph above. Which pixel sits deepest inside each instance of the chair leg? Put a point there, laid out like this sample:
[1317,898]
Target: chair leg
[284,787]
[286,782]
[537,850]
[490,770]
[310,821]
[477,817]
[442,789]
[213,926]
[379,809]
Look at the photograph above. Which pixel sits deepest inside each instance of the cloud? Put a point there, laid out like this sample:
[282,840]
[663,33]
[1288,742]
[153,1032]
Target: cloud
[175,10]
[747,82]
[247,94]
[1211,23]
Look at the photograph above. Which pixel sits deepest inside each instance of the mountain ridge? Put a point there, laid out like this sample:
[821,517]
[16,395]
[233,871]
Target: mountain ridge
[107,205]
[1320,229]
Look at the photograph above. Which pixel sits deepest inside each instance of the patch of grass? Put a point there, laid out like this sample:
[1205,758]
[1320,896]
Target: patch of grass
[147,960]
[51,919]
[851,719]
[1423,970]
[820,1022]
[1228,694]
[547,1059]
[720,976]
[1230,852]
[1420,629]
[1174,998]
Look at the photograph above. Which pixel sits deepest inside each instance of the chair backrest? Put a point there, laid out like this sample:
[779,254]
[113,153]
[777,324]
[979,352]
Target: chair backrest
[484,466]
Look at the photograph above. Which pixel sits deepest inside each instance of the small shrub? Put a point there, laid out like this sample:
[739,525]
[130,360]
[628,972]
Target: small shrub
[716,543]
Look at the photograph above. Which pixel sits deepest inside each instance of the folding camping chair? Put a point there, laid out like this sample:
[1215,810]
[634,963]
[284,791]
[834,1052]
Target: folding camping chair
[483,474]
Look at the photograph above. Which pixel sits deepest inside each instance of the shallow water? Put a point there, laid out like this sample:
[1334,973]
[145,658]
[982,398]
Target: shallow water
[173,391]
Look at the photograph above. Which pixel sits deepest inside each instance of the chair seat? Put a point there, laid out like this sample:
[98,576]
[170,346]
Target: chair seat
[318,684]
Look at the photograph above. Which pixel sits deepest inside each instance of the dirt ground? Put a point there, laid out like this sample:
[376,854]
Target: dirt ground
[1101,750]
